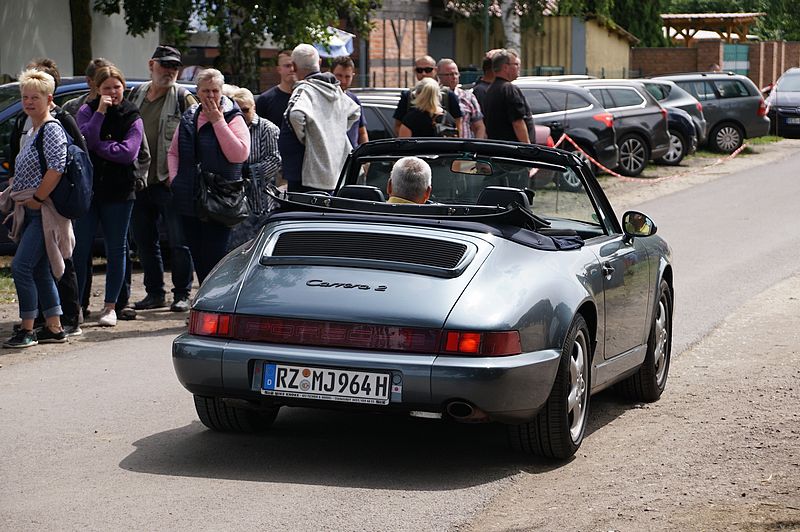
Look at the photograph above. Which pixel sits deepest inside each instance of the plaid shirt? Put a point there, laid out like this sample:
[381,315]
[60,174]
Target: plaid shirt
[470,109]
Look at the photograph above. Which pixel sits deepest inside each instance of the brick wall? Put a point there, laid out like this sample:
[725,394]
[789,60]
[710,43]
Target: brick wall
[709,53]
[393,46]
[656,61]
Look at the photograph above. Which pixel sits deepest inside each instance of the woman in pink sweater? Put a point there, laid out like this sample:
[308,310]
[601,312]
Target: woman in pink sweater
[212,136]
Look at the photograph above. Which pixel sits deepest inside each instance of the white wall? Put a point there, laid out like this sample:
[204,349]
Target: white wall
[42,28]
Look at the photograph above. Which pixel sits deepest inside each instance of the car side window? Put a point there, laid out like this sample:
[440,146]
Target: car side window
[659,92]
[626,97]
[376,129]
[703,90]
[64,97]
[731,88]
[537,102]
[566,100]
[603,97]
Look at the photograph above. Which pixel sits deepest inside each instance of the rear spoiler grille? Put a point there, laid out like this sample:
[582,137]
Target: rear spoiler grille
[431,256]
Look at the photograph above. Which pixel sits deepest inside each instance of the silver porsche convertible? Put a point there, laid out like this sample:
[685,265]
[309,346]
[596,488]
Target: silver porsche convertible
[511,296]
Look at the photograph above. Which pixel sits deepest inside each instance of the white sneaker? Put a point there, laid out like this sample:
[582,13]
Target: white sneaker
[108,318]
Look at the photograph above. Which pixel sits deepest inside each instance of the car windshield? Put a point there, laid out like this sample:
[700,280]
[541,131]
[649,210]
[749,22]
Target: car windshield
[789,84]
[8,95]
[558,192]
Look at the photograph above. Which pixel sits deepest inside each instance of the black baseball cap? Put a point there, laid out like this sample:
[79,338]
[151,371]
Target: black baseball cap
[166,54]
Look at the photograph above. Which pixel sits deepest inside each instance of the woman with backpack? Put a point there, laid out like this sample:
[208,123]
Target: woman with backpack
[44,237]
[113,130]
[426,118]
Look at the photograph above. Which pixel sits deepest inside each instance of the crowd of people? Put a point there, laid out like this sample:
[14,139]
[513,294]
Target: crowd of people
[147,149]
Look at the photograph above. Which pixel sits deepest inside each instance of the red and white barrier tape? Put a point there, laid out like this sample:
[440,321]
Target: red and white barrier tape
[720,160]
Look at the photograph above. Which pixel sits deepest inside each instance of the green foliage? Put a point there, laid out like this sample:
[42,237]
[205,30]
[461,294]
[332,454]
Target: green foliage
[530,12]
[242,25]
[642,19]
[781,20]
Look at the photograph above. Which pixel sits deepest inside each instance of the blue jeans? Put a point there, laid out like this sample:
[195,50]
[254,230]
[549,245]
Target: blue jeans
[31,271]
[208,242]
[151,203]
[114,217]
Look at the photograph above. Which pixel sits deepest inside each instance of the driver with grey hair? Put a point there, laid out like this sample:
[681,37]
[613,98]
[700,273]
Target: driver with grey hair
[409,181]
[313,142]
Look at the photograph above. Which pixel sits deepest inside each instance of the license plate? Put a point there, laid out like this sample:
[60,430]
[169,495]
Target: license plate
[793,120]
[326,384]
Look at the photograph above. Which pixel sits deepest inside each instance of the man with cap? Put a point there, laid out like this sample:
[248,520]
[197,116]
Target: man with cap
[161,103]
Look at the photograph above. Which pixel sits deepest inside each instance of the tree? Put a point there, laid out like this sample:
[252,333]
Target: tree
[515,15]
[80,13]
[242,25]
[642,19]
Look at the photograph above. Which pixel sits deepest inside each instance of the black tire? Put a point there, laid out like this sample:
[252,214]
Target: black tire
[633,155]
[558,429]
[216,415]
[726,137]
[649,382]
[677,149]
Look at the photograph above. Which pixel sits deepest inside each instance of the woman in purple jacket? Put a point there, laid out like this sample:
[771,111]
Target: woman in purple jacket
[113,130]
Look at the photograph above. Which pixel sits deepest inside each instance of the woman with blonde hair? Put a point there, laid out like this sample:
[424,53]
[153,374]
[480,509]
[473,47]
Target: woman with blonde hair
[44,237]
[425,114]
[113,129]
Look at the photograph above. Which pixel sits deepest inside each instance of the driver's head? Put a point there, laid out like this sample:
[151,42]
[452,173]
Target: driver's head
[410,180]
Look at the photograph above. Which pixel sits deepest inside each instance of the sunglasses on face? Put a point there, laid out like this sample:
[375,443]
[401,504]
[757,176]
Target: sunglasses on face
[427,70]
[170,64]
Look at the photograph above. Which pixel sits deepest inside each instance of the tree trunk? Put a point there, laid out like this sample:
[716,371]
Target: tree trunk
[80,12]
[510,18]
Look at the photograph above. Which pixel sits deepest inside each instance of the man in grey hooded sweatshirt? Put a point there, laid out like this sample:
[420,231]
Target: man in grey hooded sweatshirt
[313,142]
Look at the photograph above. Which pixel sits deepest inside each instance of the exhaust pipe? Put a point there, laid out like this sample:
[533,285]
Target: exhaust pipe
[466,413]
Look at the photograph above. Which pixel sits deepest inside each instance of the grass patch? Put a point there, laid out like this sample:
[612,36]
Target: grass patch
[768,139]
[8,293]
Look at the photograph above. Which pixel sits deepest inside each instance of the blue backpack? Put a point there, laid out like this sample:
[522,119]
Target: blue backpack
[72,196]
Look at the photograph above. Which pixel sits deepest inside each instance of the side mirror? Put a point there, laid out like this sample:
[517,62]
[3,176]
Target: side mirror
[637,224]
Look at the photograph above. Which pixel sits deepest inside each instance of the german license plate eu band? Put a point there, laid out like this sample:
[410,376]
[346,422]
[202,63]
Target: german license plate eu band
[326,384]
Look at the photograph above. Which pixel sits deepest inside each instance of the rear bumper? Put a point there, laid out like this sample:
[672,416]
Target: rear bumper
[758,128]
[607,154]
[509,389]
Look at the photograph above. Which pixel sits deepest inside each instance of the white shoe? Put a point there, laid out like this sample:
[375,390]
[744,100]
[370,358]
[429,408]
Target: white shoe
[108,318]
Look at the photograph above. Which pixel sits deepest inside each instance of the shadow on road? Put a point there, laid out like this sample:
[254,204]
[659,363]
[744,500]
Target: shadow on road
[361,450]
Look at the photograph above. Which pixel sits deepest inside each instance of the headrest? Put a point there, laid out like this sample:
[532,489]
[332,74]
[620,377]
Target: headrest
[504,197]
[361,192]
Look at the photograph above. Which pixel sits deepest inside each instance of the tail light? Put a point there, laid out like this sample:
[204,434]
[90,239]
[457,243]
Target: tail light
[762,108]
[550,143]
[700,107]
[606,118]
[354,335]
[664,113]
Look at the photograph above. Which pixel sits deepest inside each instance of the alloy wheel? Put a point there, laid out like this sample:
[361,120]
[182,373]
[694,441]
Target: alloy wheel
[632,155]
[578,391]
[675,152]
[728,139]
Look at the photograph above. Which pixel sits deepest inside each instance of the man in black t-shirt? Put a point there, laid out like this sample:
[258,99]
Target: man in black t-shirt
[272,103]
[425,67]
[505,107]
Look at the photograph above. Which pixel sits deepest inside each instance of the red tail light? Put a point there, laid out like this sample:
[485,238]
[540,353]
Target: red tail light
[700,107]
[550,143]
[664,113]
[762,108]
[354,335]
[210,324]
[606,118]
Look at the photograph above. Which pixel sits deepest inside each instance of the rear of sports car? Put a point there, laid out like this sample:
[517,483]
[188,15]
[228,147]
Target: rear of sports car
[432,322]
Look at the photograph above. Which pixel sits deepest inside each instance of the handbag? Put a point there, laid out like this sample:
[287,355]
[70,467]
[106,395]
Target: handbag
[444,125]
[218,199]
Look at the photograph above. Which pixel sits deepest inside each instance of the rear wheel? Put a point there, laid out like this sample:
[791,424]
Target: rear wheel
[215,414]
[677,149]
[633,155]
[726,138]
[557,430]
[649,382]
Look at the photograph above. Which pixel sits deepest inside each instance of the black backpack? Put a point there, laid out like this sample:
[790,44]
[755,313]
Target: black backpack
[72,196]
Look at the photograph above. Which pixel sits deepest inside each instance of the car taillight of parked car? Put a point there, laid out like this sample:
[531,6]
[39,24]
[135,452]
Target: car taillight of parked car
[321,333]
[700,107]
[606,118]
[763,108]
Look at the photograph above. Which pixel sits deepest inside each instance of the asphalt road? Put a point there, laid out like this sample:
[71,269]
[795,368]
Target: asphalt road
[102,436]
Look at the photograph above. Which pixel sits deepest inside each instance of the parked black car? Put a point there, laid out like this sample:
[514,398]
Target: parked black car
[784,105]
[573,110]
[640,121]
[671,96]
[682,137]
[732,104]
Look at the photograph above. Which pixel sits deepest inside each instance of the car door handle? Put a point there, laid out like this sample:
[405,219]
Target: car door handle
[554,124]
[608,269]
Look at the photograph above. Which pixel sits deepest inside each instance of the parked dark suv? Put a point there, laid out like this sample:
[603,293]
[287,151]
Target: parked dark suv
[732,104]
[640,121]
[670,95]
[784,104]
[573,110]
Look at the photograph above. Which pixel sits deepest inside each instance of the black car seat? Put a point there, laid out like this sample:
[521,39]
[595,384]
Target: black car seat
[361,192]
[505,196]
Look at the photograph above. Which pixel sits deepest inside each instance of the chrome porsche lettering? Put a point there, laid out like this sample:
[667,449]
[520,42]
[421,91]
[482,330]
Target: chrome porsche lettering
[323,284]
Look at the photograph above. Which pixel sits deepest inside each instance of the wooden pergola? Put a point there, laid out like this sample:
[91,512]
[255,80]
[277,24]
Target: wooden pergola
[726,25]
